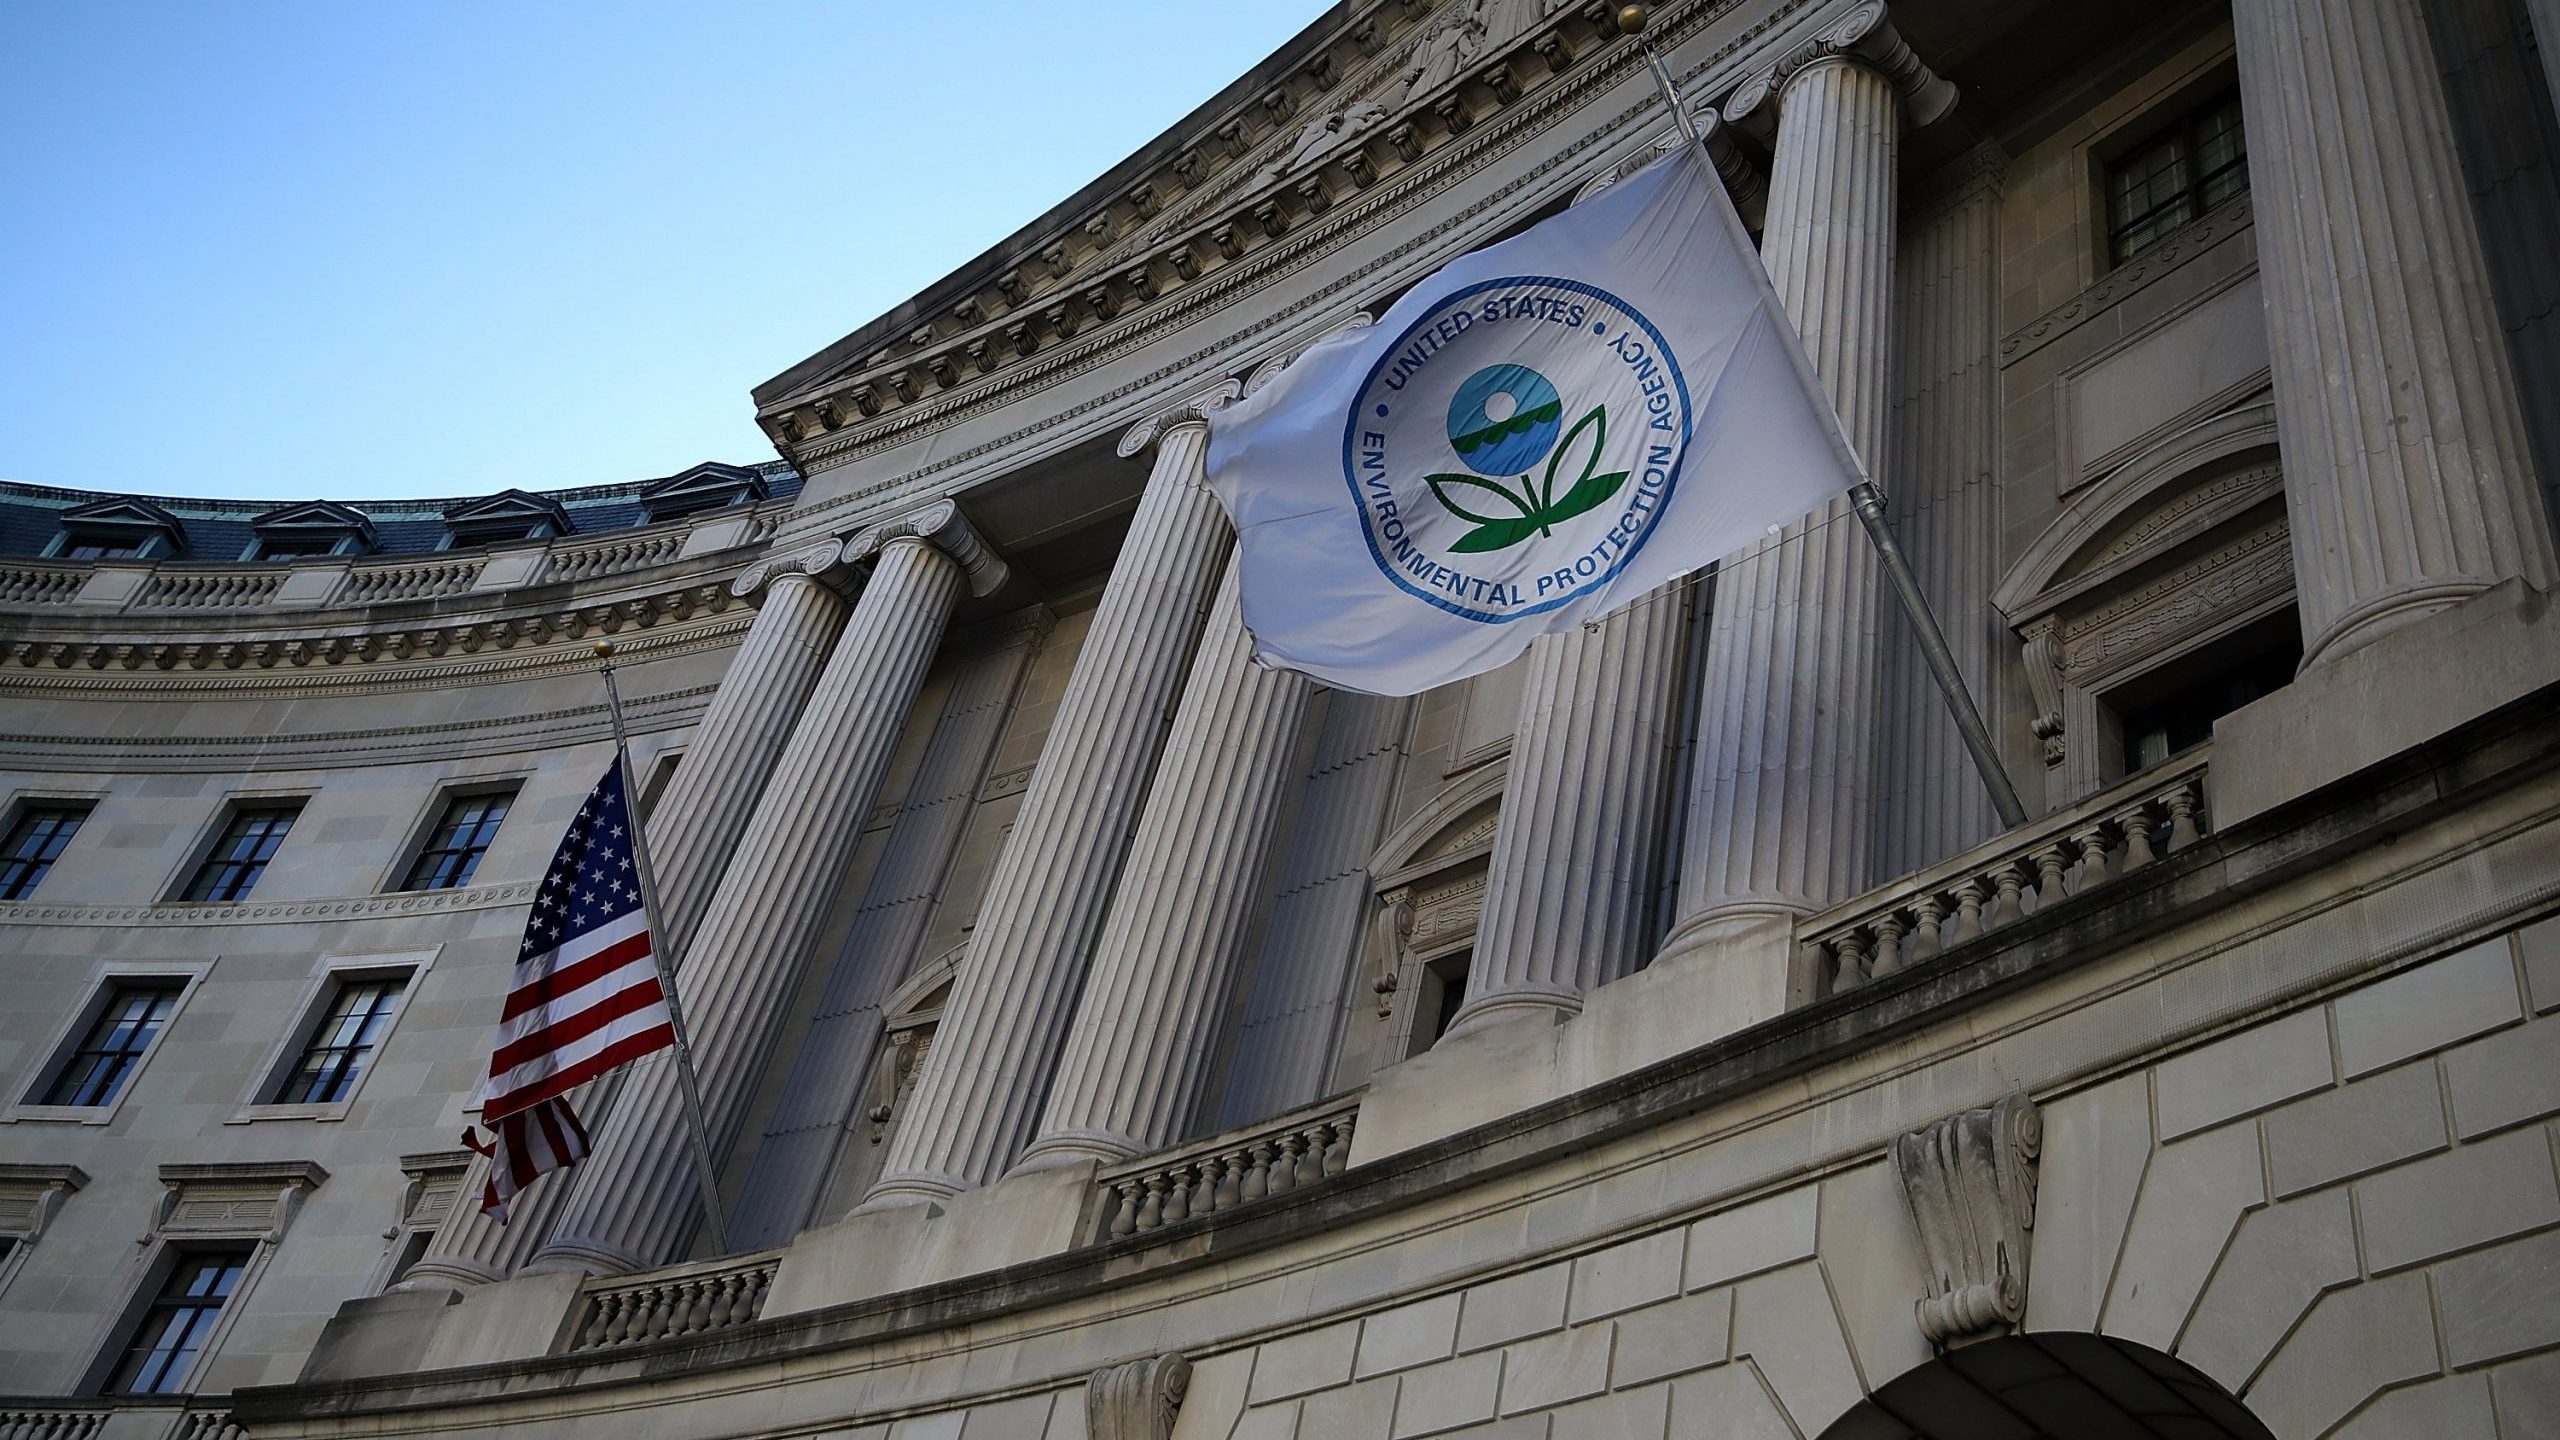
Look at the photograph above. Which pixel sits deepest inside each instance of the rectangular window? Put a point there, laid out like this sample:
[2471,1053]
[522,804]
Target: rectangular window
[454,847]
[33,844]
[241,855]
[341,1045]
[172,1335]
[2197,164]
[102,550]
[115,1044]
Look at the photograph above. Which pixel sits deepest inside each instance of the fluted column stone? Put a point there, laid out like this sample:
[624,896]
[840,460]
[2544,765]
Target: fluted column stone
[1135,1074]
[1947,511]
[1569,892]
[2545,18]
[979,1093]
[2408,479]
[1782,803]
[692,830]
[829,1076]
[635,1203]
[1303,981]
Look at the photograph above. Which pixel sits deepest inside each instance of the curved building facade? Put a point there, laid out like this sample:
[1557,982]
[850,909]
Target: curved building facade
[1100,1036]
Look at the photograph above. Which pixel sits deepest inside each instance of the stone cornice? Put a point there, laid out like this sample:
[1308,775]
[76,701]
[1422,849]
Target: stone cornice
[1482,144]
[2117,284]
[282,912]
[1865,35]
[940,525]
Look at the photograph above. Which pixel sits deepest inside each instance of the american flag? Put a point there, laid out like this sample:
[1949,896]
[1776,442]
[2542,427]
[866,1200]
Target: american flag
[586,998]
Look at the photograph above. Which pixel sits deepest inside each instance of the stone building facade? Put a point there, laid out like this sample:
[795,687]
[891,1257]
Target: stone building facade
[1659,1037]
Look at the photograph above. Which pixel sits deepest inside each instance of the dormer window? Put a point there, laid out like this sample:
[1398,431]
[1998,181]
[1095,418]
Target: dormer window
[310,530]
[505,518]
[709,486]
[122,529]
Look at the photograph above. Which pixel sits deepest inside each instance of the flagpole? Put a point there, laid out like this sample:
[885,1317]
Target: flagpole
[1863,496]
[705,1176]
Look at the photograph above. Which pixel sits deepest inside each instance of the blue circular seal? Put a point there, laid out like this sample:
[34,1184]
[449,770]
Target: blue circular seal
[1515,446]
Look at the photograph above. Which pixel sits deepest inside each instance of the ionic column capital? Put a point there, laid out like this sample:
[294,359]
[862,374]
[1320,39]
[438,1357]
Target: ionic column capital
[1195,410]
[825,562]
[942,526]
[1269,370]
[1864,36]
[1742,176]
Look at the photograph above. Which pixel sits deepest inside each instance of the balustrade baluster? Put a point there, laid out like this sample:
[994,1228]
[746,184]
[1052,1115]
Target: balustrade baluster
[1888,957]
[1151,1211]
[1177,1195]
[2005,907]
[1311,1158]
[2183,804]
[1927,937]
[1257,1175]
[1124,1214]
[1284,1170]
[2052,859]
[2094,868]
[1337,1155]
[1231,1179]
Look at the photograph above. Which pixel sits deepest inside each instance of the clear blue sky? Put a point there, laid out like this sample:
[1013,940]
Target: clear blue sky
[397,248]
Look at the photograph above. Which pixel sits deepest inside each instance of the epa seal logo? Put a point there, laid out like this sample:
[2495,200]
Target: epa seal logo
[1515,447]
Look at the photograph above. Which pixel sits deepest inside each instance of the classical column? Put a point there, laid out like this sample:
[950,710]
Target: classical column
[2407,476]
[1311,944]
[827,1079]
[1136,1071]
[635,1204]
[977,1099]
[1782,809]
[1569,892]
[692,830]
[1946,509]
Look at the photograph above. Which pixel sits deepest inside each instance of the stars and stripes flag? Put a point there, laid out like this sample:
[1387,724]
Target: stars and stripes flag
[587,998]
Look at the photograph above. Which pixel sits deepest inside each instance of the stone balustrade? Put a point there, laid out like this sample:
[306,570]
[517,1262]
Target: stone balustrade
[43,582]
[673,1302]
[231,587]
[1220,1173]
[613,556]
[119,1419]
[2152,814]
[396,580]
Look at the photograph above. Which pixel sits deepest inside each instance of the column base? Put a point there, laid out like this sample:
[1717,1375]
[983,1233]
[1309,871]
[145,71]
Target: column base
[2381,614]
[579,1256]
[1745,954]
[446,1273]
[1556,1003]
[910,1187]
[1061,1148]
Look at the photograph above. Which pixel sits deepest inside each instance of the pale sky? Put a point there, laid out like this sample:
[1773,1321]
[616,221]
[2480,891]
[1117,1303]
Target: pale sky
[377,248]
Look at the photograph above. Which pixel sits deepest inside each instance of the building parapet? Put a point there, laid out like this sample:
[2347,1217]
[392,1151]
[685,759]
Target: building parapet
[671,1303]
[152,1419]
[1224,1171]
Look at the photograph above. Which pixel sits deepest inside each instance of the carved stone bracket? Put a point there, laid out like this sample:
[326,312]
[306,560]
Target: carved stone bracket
[1136,1399]
[1864,35]
[254,1200]
[2044,679]
[1195,410]
[31,1194]
[941,525]
[1970,1180]
[824,562]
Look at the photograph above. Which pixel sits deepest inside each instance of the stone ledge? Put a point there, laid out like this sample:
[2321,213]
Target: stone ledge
[2473,764]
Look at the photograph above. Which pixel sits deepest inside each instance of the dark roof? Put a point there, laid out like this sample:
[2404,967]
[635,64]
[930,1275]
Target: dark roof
[30,515]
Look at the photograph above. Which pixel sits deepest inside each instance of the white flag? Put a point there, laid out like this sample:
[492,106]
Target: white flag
[1535,436]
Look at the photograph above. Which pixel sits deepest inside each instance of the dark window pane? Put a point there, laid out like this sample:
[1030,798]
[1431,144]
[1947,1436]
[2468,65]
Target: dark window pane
[114,1044]
[241,855]
[173,1332]
[33,844]
[2201,162]
[455,846]
[342,1044]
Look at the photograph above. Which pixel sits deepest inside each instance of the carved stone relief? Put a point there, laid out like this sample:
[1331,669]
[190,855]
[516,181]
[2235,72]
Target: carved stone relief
[1136,1399]
[1970,1180]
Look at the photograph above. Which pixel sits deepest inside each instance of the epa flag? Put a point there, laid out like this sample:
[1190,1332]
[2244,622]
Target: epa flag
[586,998]
[1535,436]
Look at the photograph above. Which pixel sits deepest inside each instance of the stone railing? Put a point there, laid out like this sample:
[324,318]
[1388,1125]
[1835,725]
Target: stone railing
[234,588]
[40,583]
[665,1304]
[2109,835]
[1225,1171]
[611,557]
[407,580]
[144,1419]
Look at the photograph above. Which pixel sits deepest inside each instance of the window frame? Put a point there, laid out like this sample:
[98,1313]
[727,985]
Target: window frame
[311,1006]
[404,873]
[201,854]
[151,1299]
[19,807]
[75,1024]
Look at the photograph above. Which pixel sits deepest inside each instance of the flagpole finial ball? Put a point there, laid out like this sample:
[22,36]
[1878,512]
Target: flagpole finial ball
[1631,19]
[604,649]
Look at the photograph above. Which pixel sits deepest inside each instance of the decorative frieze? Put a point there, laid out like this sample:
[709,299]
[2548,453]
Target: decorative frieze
[257,1200]
[1970,1180]
[363,907]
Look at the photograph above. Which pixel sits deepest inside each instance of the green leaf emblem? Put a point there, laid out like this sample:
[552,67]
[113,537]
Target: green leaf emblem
[1537,508]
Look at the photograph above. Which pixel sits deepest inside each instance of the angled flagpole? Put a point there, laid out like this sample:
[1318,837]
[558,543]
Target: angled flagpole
[703,1173]
[1863,497]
